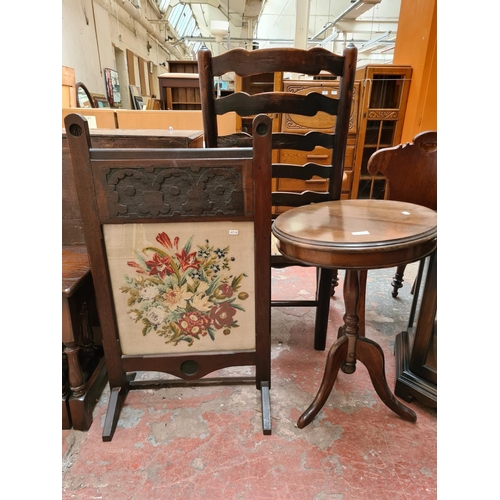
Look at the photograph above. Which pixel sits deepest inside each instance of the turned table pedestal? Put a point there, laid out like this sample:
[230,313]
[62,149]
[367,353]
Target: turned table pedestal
[356,235]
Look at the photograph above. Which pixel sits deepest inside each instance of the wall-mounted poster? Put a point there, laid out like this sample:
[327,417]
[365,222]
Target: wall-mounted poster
[112,88]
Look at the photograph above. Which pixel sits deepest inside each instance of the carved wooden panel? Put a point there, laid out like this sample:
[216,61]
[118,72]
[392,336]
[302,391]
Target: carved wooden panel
[72,229]
[321,121]
[383,114]
[154,192]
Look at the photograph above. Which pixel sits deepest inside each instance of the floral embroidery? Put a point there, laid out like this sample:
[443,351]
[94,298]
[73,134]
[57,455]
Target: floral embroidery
[184,294]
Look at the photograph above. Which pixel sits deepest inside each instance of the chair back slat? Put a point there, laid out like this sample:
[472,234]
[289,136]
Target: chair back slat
[302,172]
[291,199]
[276,102]
[254,62]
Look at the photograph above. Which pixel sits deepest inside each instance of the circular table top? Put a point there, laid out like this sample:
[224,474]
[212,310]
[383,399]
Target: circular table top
[361,234]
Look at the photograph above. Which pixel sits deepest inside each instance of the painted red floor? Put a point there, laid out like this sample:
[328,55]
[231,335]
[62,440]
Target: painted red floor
[207,442]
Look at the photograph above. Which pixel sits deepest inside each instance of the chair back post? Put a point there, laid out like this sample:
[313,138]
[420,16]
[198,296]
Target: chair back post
[342,124]
[206,86]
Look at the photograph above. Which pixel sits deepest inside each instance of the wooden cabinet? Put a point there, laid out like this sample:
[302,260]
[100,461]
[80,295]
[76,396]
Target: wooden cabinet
[416,348]
[180,87]
[256,84]
[382,106]
[321,122]
[83,366]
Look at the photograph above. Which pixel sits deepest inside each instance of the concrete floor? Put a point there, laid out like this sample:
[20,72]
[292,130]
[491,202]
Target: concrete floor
[207,442]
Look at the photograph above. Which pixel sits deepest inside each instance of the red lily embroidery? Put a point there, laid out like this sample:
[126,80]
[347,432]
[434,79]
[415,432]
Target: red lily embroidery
[164,240]
[187,260]
[160,266]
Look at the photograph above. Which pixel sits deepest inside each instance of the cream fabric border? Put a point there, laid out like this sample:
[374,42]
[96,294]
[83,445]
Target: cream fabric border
[125,243]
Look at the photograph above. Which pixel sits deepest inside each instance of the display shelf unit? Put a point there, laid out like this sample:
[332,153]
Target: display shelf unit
[256,84]
[179,87]
[384,93]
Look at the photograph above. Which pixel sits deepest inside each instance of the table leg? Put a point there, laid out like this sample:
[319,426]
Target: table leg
[350,346]
[372,356]
[336,356]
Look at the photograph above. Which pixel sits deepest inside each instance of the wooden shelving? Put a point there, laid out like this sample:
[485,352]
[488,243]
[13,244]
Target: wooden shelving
[384,93]
[179,87]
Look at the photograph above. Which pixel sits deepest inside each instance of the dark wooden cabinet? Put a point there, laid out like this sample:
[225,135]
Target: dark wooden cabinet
[83,366]
[416,348]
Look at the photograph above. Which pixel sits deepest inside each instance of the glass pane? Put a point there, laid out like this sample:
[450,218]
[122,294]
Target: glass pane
[367,152]
[387,136]
[180,27]
[372,131]
[371,189]
[380,133]
[175,14]
[386,91]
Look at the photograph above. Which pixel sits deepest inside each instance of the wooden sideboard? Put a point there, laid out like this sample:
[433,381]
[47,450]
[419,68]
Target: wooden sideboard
[323,123]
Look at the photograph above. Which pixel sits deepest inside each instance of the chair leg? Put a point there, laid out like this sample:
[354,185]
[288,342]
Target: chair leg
[323,309]
[397,281]
[335,281]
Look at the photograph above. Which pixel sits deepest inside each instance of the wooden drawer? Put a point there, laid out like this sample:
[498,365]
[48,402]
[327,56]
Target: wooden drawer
[319,155]
[321,121]
[314,184]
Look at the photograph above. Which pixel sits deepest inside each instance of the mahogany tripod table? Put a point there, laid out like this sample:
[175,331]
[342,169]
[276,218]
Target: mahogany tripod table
[356,235]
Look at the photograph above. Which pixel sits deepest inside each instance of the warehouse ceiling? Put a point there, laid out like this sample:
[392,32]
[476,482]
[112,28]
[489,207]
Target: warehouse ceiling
[370,24]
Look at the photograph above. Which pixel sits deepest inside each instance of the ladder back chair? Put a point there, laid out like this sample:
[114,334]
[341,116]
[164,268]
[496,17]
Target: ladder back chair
[411,173]
[332,140]
[178,247]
